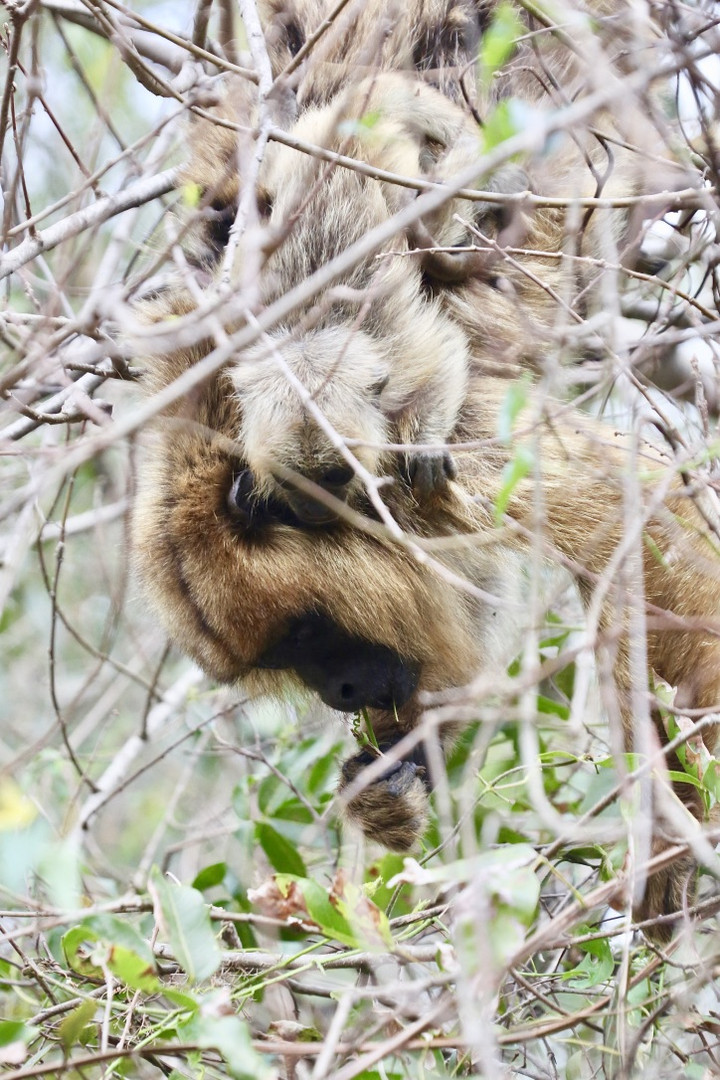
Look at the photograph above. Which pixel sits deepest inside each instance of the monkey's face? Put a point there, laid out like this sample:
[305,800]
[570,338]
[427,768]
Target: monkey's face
[310,409]
[247,591]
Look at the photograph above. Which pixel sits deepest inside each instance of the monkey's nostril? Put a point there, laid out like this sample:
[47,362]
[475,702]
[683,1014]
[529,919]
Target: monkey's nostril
[347,691]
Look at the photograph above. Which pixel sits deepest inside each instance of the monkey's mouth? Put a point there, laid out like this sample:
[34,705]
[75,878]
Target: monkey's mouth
[348,673]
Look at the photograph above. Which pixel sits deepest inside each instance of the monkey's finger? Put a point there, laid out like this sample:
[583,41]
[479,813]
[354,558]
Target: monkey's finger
[429,472]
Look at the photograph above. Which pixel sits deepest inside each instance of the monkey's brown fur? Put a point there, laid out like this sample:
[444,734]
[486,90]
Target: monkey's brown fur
[228,594]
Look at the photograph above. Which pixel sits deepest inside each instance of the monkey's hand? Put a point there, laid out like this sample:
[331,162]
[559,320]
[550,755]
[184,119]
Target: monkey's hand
[429,472]
[393,808]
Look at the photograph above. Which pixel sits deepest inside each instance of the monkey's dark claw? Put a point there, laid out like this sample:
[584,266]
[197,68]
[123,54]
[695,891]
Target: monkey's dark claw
[401,777]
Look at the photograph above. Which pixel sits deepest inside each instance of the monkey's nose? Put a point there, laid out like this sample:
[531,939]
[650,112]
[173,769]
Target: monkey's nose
[379,681]
[335,477]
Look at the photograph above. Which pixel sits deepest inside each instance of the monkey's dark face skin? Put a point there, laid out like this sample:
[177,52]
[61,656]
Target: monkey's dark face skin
[252,511]
[349,673]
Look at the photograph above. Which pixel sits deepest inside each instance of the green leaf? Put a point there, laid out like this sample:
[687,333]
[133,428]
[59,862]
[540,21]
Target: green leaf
[550,707]
[14,1039]
[515,471]
[321,911]
[597,966]
[513,403]
[186,919]
[292,810]
[498,42]
[230,1037]
[322,776]
[565,681]
[281,854]
[210,876]
[191,195]
[182,999]
[378,875]
[271,790]
[369,923]
[363,126]
[501,124]
[107,942]
[75,1023]
[13,1031]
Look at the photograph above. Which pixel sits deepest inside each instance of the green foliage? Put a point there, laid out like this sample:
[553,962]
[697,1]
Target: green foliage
[105,943]
[498,42]
[504,121]
[213,1029]
[186,920]
[280,852]
[597,965]
[76,1027]
[517,469]
[363,127]
[522,461]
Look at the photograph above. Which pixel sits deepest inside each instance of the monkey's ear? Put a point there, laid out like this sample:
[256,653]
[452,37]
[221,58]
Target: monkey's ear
[377,387]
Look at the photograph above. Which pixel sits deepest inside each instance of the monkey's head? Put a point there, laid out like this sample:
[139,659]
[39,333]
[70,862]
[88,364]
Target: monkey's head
[253,596]
[301,401]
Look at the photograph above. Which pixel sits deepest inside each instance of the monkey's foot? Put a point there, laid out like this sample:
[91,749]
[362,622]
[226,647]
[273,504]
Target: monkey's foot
[429,472]
[393,809]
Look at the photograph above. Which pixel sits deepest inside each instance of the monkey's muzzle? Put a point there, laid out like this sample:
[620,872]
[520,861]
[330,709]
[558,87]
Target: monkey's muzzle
[348,673]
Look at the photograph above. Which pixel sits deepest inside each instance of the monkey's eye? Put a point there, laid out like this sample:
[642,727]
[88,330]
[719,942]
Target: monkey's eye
[295,37]
[241,497]
[221,217]
[264,204]
[431,150]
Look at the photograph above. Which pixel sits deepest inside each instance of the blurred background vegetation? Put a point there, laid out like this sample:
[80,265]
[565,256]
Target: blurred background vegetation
[177,895]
